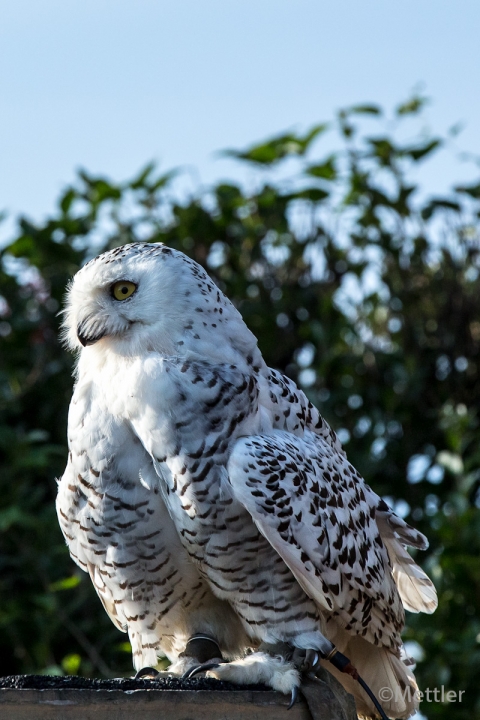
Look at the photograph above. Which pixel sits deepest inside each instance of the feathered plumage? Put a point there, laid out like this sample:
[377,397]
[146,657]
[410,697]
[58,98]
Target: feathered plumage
[204,492]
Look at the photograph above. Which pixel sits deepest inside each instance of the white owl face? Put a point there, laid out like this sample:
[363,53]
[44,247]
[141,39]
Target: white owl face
[128,295]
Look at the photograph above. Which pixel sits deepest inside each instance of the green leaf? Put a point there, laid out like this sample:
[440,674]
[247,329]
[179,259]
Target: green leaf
[65,584]
[163,180]
[422,151]
[412,106]
[346,128]
[325,170]
[67,199]
[23,246]
[312,134]
[99,189]
[124,647]
[312,194]
[365,110]
[472,190]
[71,663]
[139,180]
[383,149]
[279,147]
[437,204]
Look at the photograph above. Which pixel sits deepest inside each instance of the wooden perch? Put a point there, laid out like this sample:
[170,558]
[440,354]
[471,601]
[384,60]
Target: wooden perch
[34,697]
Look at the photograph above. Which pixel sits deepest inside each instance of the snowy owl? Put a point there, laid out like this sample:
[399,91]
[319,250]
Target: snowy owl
[207,497]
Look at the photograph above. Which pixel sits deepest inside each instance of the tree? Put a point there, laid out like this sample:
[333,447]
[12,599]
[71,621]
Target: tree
[361,291]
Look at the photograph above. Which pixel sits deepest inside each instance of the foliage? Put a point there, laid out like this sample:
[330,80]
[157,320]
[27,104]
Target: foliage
[362,291]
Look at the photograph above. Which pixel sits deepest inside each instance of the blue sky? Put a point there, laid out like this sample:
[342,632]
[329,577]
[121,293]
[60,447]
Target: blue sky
[110,84]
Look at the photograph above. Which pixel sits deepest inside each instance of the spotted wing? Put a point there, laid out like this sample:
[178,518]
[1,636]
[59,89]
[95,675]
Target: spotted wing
[319,515]
[295,413]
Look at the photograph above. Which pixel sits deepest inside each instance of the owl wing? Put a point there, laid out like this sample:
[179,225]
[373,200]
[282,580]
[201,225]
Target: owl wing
[293,412]
[319,515]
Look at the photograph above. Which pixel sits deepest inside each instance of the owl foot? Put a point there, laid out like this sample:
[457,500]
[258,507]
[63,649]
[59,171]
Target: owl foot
[199,650]
[197,669]
[257,668]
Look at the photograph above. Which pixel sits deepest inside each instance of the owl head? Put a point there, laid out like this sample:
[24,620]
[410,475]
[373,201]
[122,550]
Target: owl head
[146,297]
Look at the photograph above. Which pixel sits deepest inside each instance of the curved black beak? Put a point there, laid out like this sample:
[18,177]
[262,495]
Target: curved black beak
[90,330]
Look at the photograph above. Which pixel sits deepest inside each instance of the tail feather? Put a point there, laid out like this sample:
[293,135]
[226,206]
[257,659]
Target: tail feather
[390,680]
[416,590]
[415,587]
[390,523]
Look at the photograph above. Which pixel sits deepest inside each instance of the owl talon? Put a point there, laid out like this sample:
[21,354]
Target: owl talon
[147,672]
[203,667]
[294,697]
[312,661]
[306,661]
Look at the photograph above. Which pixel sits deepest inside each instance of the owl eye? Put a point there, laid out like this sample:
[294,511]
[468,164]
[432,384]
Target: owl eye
[123,289]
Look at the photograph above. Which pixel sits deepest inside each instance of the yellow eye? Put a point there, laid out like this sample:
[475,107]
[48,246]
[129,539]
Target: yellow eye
[123,289]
